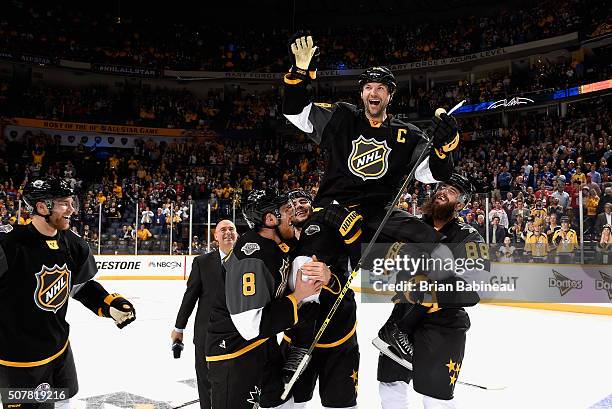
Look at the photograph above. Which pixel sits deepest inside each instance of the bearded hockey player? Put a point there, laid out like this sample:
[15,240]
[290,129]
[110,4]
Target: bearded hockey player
[321,254]
[369,151]
[244,358]
[427,330]
[42,264]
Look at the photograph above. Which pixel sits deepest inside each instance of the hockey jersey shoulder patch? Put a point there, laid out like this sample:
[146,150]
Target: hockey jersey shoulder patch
[312,229]
[250,248]
[6,228]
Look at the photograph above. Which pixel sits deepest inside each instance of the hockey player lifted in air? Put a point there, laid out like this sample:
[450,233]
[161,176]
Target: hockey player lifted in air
[427,330]
[42,264]
[369,151]
[243,355]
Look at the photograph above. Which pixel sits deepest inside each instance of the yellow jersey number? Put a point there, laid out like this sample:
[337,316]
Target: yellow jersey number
[248,284]
[477,250]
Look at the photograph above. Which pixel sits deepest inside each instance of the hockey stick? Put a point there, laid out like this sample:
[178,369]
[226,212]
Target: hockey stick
[191,402]
[384,349]
[356,269]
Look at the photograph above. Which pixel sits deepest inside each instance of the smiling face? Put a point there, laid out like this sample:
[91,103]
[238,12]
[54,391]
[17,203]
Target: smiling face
[225,234]
[303,211]
[445,202]
[63,209]
[376,98]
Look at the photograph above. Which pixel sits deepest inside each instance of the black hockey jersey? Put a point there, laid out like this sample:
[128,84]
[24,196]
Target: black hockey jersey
[464,242]
[324,242]
[366,161]
[253,305]
[37,275]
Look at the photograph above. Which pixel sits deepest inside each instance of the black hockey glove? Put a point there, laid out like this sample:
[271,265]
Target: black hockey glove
[119,309]
[445,133]
[347,222]
[304,56]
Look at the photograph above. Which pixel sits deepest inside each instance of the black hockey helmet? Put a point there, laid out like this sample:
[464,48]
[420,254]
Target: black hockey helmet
[378,74]
[463,184]
[46,190]
[261,202]
[299,193]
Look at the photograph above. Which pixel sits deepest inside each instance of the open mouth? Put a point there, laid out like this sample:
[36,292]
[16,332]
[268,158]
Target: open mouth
[300,213]
[374,102]
[67,218]
[441,198]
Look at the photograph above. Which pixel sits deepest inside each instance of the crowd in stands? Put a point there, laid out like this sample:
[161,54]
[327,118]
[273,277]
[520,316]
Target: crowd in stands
[240,109]
[61,31]
[533,168]
[142,106]
[532,172]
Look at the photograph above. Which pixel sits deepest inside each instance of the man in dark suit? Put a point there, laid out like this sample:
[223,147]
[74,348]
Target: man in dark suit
[603,218]
[205,273]
[497,231]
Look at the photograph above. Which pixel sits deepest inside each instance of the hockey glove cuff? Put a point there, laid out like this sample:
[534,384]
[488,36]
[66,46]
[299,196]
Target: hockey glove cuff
[119,309]
[445,133]
[347,222]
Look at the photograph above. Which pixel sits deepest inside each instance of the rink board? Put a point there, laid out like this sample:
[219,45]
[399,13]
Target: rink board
[162,267]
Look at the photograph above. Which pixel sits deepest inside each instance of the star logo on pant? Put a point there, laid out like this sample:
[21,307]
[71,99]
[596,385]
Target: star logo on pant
[354,376]
[254,400]
[453,369]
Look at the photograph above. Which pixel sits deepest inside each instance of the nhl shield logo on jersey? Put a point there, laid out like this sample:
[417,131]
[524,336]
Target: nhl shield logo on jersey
[52,287]
[369,159]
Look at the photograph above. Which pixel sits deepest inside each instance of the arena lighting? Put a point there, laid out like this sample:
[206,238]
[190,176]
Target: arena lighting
[596,86]
[557,95]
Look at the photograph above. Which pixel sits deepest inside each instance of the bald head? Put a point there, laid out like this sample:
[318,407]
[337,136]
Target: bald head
[225,234]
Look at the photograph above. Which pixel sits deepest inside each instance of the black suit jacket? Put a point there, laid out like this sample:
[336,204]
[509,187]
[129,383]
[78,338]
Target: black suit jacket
[600,222]
[500,234]
[203,281]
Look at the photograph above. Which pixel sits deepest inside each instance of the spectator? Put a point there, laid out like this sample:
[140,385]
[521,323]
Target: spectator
[566,240]
[480,225]
[536,244]
[147,217]
[516,231]
[606,198]
[594,175]
[498,232]
[500,213]
[552,226]
[590,200]
[562,196]
[143,233]
[505,253]
[504,179]
[538,212]
[604,218]
[604,245]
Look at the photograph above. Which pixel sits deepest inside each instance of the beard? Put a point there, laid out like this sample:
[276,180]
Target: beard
[444,211]
[58,222]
